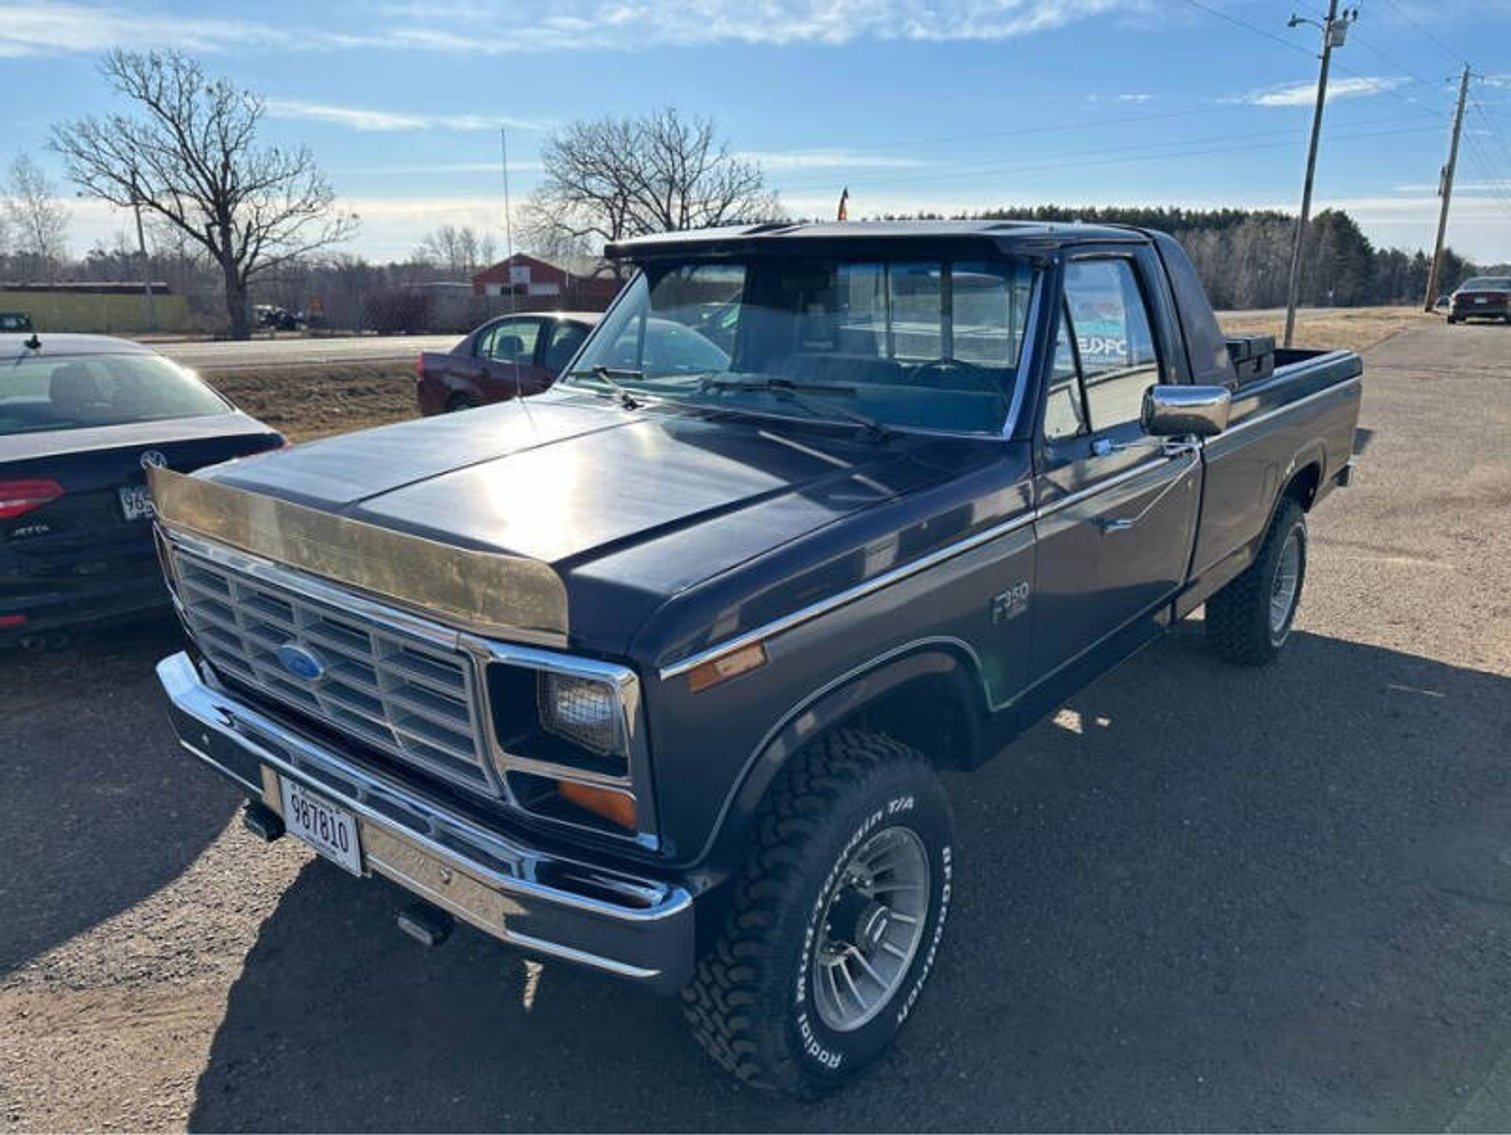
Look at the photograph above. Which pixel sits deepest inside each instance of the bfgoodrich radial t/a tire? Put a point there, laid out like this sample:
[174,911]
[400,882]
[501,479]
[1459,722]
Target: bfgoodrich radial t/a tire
[835,922]
[1249,620]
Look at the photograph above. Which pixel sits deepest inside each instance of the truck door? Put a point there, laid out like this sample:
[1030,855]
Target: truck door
[1116,509]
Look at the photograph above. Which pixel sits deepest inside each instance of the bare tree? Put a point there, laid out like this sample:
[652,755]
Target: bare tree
[36,219]
[191,157]
[459,251]
[612,178]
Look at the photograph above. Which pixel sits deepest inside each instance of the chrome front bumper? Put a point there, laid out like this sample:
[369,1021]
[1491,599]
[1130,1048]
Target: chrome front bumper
[634,928]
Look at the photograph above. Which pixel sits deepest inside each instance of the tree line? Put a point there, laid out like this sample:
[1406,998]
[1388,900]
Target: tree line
[1244,256]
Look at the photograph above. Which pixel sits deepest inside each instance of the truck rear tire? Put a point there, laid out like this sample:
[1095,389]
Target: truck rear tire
[835,921]
[1249,620]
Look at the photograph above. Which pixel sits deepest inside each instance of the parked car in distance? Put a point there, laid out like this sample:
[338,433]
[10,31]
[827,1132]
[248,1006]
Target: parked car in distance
[1484,297]
[660,679]
[1443,301]
[81,419]
[275,318]
[512,355]
[14,322]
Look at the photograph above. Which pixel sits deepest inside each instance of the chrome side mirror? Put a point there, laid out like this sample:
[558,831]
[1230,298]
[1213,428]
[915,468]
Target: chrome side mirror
[1186,411]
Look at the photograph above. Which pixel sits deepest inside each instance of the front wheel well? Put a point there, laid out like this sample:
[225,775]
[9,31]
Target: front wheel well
[934,713]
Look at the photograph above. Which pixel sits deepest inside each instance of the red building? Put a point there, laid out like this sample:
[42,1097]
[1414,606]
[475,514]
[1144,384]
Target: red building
[539,284]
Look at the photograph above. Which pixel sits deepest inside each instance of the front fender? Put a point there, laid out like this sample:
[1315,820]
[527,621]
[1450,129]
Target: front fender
[945,660]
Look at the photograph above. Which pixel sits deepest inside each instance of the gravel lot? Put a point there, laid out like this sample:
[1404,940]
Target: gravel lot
[1204,897]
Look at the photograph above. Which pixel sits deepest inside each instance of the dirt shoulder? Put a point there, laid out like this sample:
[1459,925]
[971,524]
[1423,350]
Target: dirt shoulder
[308,401]
[1354,328]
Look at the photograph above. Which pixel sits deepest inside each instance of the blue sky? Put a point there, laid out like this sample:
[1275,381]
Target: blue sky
[954,104]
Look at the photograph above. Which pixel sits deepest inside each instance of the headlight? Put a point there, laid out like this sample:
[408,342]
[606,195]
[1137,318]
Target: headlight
[584,711]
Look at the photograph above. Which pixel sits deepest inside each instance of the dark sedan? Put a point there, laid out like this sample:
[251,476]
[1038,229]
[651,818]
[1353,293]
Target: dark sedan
[1484,297]
[506,357]
[81,418]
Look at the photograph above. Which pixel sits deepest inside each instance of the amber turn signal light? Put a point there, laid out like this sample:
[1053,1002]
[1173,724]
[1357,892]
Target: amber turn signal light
[616,807]
[726,666]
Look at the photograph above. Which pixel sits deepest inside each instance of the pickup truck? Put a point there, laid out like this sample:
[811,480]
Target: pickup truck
[656,672]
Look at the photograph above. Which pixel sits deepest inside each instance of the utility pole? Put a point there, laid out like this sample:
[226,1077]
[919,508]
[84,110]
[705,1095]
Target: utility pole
[1334,32]
[1445,191]
[141,244]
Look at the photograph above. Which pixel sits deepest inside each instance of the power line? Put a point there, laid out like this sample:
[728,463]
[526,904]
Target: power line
[1456,56]
[955,173]
[1289,45]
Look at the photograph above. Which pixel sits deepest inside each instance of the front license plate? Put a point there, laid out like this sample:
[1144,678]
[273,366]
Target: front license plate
[136,502]
[330,830]
[1480,299]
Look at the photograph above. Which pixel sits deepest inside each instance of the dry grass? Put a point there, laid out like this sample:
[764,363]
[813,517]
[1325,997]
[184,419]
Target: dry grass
[1356,329]
[310,401]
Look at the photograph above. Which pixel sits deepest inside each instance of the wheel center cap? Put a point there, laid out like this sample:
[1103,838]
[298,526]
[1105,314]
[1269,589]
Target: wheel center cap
[871,929]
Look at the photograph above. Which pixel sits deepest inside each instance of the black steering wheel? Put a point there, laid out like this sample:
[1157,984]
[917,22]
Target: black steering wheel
[944,365]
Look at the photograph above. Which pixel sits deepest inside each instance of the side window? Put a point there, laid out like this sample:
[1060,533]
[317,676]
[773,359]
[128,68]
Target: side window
[565,339]
[1114,339]
[1065,409]
[512,341]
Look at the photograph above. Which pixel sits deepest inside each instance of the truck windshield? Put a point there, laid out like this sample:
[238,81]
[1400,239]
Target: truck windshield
[916,343]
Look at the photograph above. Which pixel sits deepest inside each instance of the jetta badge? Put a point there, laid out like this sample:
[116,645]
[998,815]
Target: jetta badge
[301,661]
[153,459]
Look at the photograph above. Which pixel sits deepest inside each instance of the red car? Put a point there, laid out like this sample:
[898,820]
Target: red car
[512,355]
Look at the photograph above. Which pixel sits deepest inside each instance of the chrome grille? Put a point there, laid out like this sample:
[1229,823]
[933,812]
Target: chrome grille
[403,695]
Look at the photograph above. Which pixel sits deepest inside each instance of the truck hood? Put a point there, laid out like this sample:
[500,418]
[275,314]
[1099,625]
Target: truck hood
[629,507]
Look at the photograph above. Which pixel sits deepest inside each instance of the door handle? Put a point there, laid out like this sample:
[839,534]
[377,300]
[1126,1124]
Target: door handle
[1169,446]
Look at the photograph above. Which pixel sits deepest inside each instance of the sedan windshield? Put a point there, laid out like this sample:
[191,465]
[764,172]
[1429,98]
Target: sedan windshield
[921,343]
[69,392]
[1487,284]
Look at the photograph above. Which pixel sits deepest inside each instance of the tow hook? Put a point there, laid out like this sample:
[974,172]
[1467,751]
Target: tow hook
[262,821]
[426,924]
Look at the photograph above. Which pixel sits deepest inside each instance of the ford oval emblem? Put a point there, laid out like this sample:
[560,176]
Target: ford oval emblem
[301,661]
[153,459]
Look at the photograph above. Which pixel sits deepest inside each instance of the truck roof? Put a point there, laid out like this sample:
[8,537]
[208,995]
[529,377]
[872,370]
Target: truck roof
[793,237]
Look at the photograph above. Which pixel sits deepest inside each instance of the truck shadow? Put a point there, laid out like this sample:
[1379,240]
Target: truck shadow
[96,809]
[1202,897]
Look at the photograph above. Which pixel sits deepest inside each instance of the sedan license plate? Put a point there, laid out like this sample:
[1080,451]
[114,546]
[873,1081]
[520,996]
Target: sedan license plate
[1481,299]
[136,502]
[330,830]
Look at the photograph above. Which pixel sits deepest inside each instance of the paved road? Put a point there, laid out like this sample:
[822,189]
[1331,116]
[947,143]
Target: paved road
[264,353]
[1207,898]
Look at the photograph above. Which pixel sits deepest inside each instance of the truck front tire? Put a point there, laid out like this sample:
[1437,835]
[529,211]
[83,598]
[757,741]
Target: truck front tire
[1249,620]
[835,921]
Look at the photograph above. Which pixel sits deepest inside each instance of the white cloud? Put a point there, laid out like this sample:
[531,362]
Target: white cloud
[1139,97]
[32,27]
[772,160]
[1305,94]
[388,121]
[41,27]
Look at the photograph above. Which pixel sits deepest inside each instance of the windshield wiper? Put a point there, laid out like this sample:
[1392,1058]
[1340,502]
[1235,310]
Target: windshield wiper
[607,375]
[795,392]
